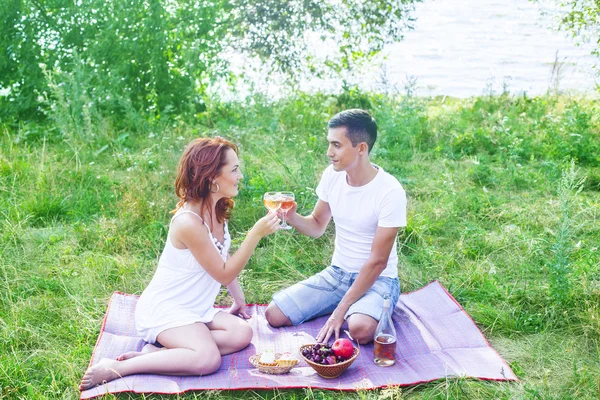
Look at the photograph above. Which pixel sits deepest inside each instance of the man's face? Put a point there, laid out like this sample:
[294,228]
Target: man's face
[341,152]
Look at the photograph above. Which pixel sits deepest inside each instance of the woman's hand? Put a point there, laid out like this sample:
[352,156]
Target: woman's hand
[239,308]
[266,225]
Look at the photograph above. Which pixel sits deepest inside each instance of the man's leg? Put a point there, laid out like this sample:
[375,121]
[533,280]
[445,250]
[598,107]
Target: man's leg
[311,298]
[363,316]
[275,317]
[362,327]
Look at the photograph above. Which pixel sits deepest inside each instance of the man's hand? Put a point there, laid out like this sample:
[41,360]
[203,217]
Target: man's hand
[331,327]
[239,308]
[313,225]
[290,215]
[370,271]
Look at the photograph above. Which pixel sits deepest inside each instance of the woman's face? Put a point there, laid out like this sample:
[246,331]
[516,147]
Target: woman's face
[230,175]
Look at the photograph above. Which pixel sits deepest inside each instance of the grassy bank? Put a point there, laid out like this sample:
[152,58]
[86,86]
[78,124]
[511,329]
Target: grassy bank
[500,213]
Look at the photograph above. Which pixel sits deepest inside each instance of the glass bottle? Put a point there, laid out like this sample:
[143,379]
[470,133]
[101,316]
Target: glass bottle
[385,338]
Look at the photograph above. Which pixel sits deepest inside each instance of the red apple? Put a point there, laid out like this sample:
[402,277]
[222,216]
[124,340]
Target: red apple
[343,348]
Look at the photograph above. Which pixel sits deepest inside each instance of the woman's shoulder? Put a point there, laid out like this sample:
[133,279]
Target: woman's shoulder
[187,224]
[187,216]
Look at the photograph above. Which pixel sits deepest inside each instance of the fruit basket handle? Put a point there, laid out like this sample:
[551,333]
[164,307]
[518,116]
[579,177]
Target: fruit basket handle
[351,338]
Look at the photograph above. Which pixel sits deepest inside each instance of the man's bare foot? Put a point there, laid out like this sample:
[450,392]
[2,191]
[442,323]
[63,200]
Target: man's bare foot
[149,348]
[104,371]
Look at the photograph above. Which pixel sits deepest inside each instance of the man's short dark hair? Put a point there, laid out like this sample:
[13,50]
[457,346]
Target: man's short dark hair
[360,126]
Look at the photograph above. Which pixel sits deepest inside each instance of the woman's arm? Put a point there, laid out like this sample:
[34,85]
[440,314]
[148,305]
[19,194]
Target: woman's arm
[193,234]
[239,301]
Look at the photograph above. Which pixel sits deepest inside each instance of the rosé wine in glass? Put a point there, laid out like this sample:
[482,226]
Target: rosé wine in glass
[286,203]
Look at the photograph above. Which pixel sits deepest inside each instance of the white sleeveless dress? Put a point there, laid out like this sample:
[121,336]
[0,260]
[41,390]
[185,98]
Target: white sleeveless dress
[181,291]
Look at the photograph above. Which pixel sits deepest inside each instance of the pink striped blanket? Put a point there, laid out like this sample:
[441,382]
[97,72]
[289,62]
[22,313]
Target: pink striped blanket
[436,339]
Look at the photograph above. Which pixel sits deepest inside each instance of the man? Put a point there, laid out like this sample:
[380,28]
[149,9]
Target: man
[368,205]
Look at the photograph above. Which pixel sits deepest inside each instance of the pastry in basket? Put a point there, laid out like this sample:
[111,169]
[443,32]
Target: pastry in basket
[287,360]
[267,359]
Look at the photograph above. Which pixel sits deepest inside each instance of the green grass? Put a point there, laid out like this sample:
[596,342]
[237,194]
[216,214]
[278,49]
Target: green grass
[498,212]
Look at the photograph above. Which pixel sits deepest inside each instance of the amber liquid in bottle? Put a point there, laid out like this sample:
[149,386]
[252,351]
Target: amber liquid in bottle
[385,350]
[384,353]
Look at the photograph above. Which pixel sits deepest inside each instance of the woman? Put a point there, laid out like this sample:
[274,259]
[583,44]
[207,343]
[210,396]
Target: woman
[176,309]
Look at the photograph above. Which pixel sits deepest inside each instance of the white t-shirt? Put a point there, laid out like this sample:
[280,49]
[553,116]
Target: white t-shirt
[358,211]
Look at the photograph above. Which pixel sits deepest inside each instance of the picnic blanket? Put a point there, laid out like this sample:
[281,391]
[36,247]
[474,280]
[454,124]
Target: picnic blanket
[436,339]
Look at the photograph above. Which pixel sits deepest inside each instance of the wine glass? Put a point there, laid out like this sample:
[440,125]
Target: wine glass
[271,201]
[286,201]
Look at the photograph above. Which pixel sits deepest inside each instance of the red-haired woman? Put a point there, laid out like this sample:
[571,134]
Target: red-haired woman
[176,310]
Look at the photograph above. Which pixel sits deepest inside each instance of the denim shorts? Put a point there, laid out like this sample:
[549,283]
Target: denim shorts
[321,293]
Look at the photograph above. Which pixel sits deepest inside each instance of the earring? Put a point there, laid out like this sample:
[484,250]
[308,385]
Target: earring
[217,185]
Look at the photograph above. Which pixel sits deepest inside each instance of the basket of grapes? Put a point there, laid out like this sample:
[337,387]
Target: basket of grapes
[330,361]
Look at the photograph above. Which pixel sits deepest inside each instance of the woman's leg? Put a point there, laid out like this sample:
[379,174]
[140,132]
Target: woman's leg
[189,350]
[148,348]
[229,332]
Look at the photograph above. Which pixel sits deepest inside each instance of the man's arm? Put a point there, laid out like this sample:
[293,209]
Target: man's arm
[312,225]
[370,271]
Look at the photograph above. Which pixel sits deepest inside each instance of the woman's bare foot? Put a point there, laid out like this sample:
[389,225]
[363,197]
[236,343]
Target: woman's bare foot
[149,348]
[104,371]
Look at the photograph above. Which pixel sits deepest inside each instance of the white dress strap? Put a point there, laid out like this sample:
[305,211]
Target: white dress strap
[220,246]
[182,211]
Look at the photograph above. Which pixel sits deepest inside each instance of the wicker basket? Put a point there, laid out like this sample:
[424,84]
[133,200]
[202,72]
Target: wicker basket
[272,369]
[329,371]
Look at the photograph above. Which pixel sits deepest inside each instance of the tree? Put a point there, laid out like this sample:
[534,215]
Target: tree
[582,19]
[158,55]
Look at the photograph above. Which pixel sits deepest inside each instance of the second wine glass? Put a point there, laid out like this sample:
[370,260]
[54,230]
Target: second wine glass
[286,202]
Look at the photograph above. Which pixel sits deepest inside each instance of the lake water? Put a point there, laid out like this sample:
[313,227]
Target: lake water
[459,48]
[465,48]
